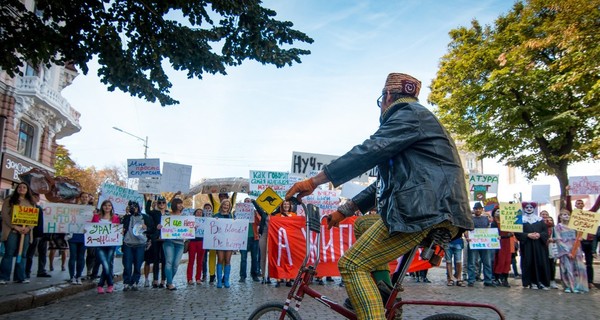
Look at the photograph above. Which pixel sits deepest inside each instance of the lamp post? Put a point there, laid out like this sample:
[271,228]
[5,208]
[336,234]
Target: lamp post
[145,141]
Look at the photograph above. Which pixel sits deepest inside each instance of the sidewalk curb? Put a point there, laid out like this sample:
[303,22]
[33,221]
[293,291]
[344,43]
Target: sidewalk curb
[45,296]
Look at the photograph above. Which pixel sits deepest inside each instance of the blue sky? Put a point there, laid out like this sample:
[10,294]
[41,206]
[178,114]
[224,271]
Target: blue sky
[256,116]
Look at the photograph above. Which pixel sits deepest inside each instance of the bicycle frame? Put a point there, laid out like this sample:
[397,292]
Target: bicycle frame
[306,273]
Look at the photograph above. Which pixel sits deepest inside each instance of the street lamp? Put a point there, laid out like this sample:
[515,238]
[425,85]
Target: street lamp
[145,141]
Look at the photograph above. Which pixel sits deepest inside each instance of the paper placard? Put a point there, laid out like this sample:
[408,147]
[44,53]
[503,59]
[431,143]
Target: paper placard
[175,177]
[25,216]
[225,234]
[490,181]
[276,180]
[120,197]
[66,218]
[511,217]
[484,238]
[584,185]
[199,226]
[584,221]
[149,185]
[244,210]
[141,168]
[178,227]
[103,234]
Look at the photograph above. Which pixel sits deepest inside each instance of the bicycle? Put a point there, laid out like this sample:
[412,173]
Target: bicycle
[306,273]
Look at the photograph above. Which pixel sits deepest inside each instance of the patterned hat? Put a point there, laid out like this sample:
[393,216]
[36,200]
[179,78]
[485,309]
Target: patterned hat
[403,84]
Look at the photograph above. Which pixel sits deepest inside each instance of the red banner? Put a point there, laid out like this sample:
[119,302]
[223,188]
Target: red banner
[287,247]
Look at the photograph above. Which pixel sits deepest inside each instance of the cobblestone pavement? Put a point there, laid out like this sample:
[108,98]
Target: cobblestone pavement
[207,302]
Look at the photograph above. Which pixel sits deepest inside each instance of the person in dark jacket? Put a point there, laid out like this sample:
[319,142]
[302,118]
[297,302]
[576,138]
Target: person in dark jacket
[421,186]
[135,228]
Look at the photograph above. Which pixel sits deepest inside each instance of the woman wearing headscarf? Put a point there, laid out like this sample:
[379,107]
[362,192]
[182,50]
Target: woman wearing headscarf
[534,252]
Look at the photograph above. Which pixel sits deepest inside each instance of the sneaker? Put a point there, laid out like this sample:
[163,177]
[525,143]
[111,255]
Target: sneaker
[72,281]
[23,281]
[161,285]
[489,284]
[329,279]
[553,285]
[126,287]
[2,282]
[532,287]
[255,279]
[242,280]
[568,290]
[78,281]
[109,289]
[212,279]
[43,275]
[191,283]
[425,280]
[134,287]
[470,284]
[147,283]
[541,287]
[100,290]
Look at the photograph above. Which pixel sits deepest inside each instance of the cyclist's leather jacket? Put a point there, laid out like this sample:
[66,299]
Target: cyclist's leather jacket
[421,180]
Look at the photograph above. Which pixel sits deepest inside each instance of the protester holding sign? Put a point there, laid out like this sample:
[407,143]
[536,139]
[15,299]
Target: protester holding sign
[13,235]
[572,267]
[135,226]
[155,255]
[285,210]
[173,248]
[195,253]
[502,257]
[224,256]
[106,254]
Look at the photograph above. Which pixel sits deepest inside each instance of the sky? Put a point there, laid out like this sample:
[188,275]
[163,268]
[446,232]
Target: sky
[254,117]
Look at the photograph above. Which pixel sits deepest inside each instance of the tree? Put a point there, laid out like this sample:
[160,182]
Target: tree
[526,89]
[132,39]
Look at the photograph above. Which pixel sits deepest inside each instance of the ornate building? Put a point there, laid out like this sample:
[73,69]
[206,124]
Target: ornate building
[33,115]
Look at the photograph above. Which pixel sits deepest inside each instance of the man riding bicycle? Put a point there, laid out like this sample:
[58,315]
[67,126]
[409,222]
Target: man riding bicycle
[421,186]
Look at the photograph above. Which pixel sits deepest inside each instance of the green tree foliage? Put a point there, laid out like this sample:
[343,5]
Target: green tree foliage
[526,89]
[134,39]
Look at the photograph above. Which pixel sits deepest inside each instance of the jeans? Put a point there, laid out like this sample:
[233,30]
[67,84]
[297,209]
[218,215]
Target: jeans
[11,248]
[133,257]
[76,259]
[254,256]
[105,256]
[41,244]
[173,252]
[485,256]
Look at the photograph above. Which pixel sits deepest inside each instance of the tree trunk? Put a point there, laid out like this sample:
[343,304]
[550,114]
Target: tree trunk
[563,180]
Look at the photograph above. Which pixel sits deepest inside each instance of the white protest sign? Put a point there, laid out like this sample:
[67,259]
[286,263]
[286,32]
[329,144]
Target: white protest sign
[103,234]
[149,185]
[244,210]
[540,193]
[584,185]
[177,227]
[119,196]
[175,177]
[199,226]
[484,238]
[261,180]
[350,189]
[303,163]
[490,181]
[140,168]
[66,218]
[188,211]
[327,200]
[225,234]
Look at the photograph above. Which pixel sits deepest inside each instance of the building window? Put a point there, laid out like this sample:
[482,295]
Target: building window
[31,71]
[25,139]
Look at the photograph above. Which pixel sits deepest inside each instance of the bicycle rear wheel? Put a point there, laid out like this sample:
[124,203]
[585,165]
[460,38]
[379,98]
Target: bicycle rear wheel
[272,310]
[448,316]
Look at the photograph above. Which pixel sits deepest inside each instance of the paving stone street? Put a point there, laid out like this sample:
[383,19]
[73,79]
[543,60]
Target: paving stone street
[207,302]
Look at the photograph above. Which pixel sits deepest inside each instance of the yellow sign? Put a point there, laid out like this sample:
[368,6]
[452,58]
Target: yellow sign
[511,217]
[584,221]
[25,216]
[269,200]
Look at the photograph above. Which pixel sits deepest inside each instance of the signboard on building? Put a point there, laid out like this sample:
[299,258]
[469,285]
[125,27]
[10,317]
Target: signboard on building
[12,167]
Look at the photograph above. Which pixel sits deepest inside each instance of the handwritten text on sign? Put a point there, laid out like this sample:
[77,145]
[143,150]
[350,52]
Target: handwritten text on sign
[244,210]
[584,221]
[225,234]
[199,226]
[119,197]
[484,238]
[511,217]
[584,185]
[327,200]
[25,216]
[490,181]
[66,218]
[261,180]
[103,234]
[178,227]
[140,168]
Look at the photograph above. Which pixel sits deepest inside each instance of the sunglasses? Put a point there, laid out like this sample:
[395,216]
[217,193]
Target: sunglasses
[162,202]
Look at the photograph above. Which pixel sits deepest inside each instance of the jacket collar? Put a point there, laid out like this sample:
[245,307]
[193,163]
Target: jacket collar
[395,106]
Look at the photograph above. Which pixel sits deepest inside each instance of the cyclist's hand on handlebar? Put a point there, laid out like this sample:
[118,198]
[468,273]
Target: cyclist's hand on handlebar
[334,219]
[302,188]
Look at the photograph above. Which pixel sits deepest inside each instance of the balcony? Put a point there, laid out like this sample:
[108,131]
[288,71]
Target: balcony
[37,89]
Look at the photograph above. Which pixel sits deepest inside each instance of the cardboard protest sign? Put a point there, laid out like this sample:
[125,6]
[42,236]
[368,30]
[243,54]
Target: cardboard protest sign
[584,221]
[103,234]
[220,185]
[484,238]
[244,210]
[225,234]
[490,203]
[199,226]
[584,185]
[511,217]
[149,185]
[303,163]
[350,189]
[25,216]
[175,177]
[66,218]
[489,181]
[178,227]
[120,197]
[327,200]
[141,168]
[276,180]
[540,193]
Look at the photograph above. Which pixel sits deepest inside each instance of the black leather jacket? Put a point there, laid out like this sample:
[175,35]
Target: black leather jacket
[421,181]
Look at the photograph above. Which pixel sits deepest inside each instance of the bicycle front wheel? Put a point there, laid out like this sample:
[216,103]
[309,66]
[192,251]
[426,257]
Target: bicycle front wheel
[448,316]
[273,310]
